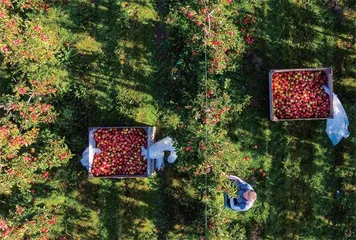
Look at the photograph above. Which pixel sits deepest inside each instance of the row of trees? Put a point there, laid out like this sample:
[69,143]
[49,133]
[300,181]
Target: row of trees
[30,151]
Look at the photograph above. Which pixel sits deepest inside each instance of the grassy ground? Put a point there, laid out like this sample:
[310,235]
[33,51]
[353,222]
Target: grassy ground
[116,65]
[114,82]
[304,171]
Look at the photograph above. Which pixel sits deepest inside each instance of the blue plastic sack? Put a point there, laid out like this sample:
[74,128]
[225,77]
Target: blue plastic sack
[337,128]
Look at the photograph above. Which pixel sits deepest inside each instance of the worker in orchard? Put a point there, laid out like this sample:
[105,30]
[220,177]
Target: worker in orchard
[245,198]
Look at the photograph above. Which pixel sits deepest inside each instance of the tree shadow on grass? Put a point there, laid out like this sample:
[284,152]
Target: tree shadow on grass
[301,182]
[111,80]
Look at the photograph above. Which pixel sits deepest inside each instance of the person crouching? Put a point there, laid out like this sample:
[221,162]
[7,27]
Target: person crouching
[245,198]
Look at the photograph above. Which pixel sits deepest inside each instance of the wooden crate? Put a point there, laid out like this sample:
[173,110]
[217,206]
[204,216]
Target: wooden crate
[150,163]
[329,75]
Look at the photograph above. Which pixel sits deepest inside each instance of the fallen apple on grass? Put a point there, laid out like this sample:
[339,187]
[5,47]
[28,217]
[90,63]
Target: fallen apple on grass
[300,94]
[120,152]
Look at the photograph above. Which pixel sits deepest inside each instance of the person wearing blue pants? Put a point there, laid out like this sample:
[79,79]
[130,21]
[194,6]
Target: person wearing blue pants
[245,198]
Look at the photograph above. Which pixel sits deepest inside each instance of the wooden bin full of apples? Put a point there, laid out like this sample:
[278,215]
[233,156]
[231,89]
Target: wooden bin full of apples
[298,94]
[115,152]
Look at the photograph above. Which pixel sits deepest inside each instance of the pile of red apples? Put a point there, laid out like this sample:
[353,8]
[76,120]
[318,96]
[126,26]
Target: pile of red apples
[120,152]
[300,95]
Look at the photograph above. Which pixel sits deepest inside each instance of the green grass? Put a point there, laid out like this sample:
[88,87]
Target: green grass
[112,77]
[113,83]
[297,198]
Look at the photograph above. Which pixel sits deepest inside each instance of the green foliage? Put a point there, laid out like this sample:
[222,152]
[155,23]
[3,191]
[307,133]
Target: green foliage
[30,152]
[169,120]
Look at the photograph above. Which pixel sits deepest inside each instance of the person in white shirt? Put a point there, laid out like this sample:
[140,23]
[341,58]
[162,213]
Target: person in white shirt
[245,198]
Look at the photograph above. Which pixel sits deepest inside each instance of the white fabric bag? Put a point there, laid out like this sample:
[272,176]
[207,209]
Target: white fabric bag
[337,128]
